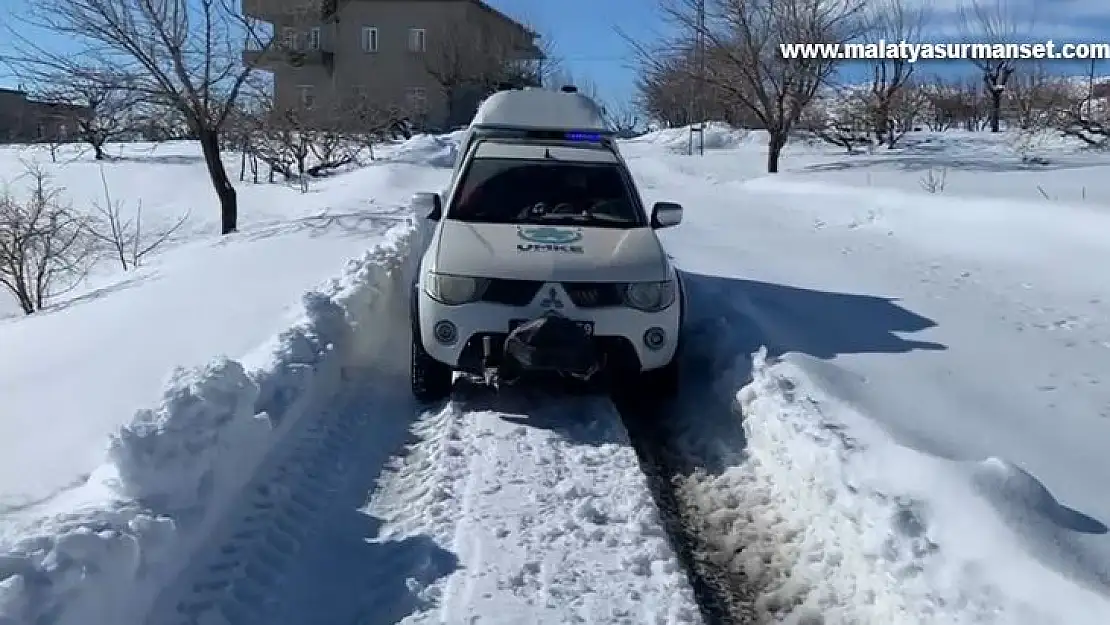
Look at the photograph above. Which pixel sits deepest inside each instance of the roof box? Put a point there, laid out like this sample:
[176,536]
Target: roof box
[540,109]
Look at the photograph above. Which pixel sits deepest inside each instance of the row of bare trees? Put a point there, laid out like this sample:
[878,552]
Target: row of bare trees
[131,62]
[166,69]
[1033,101]
[47,245]
[725,64]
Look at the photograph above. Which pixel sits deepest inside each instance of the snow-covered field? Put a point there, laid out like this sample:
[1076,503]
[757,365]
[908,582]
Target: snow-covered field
[897,405]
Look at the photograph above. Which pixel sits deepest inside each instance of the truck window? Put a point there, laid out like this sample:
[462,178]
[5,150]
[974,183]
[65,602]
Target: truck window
[514,191]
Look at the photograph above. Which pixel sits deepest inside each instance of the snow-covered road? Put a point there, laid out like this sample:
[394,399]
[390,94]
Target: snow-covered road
[518,508]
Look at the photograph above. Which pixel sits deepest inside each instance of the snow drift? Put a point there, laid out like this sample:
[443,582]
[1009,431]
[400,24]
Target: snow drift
[718,136]
[839,524]
[100,553]
[430,150]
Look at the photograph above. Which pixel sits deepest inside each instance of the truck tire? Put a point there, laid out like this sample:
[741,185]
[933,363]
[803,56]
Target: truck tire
[430,378]
[662,383]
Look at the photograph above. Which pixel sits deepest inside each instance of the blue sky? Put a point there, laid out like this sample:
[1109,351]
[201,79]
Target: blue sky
[584,34]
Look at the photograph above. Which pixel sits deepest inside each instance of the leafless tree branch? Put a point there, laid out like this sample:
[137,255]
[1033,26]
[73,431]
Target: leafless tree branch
[994,22]
[44,250]
[185,55]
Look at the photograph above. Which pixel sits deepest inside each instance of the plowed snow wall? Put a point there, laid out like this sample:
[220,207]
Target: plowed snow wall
[176,467]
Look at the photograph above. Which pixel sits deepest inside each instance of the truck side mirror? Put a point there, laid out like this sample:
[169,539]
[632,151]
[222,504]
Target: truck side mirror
[427,205]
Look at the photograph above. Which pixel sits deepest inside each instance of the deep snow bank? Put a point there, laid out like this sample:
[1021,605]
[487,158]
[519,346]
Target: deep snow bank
[835,523]
[718,136]
[101,552]
[430,150]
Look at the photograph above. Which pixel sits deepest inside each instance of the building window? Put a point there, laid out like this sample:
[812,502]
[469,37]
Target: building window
[417,100]
[369,39]
[289,38]
[418,40]
[314,38]
[308,96]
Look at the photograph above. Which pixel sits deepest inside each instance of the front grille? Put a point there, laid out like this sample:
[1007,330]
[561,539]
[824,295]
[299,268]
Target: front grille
[593,294]
[511,292]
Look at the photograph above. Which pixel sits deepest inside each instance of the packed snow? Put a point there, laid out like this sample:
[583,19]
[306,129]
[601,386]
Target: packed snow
[896,402]
[924,442]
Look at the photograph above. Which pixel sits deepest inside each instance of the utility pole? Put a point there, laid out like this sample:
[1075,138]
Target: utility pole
[699,107]
[1091,88]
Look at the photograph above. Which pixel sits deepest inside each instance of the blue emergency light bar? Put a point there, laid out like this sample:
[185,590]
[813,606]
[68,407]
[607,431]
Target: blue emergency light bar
[577,136]
[584,136]
[596,137]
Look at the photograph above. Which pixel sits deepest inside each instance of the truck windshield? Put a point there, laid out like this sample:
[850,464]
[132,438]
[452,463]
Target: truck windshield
[514,191]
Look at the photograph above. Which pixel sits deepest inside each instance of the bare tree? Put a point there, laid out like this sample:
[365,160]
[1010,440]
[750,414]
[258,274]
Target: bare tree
[1036,100]
[123,236]
[994,22]
[844,121]
[891,20]
[53,142]
[180,54]
[955,105]
[44,251]
[623,120]
[299,144]
[109,112]
[665,89]
[745,60]
[1089,119]
[470,63]
[907,109]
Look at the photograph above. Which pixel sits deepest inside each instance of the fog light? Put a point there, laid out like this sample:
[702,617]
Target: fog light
[446,332]
[655,338]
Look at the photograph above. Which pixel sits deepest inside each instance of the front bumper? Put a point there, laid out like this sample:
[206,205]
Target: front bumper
[618,334]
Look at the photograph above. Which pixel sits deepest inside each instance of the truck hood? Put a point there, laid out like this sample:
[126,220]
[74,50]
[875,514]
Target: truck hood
[549,253]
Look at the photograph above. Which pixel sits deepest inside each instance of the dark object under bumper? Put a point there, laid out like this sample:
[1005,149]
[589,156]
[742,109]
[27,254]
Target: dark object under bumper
[550,344]
[543,345]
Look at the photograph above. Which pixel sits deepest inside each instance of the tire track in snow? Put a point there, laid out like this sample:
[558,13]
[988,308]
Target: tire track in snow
[516,510]
[247,573]
[724,596]
[546,510]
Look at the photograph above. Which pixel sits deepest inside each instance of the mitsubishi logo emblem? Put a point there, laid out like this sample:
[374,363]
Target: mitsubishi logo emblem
[552,300]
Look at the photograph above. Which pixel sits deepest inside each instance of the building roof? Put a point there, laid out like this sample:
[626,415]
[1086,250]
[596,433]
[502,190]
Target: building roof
[485,7]
[540,109]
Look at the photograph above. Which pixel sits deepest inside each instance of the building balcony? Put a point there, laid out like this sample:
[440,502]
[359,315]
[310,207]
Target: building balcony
[277,56]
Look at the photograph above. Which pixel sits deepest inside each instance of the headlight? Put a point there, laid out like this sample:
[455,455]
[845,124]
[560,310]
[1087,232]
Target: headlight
[454,290]
[649,296]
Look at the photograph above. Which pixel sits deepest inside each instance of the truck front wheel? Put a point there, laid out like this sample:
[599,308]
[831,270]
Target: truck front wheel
[431,379]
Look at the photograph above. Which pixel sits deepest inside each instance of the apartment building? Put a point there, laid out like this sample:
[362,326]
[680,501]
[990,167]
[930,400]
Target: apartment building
[417,58]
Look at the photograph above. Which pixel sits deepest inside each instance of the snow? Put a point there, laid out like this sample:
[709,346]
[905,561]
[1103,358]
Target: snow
[546,510]
[895,407]
[118,340]
[175,513]
[925,442]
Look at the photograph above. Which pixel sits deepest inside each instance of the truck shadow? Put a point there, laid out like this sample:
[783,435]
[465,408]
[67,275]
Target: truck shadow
[727,320]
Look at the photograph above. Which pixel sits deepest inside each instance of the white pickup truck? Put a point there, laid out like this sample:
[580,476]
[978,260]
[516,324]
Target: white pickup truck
[542,256]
